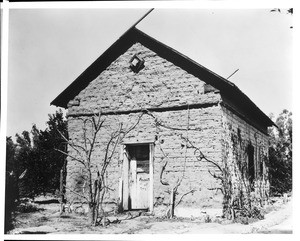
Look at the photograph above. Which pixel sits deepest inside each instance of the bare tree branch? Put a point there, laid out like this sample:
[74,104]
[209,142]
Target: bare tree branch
[163,167]
[67,154]
[183,195]
[134,125]
[161,173]
[71,144]
[159,123]
[215,176]
[187,137]
[200,155]
[78,194]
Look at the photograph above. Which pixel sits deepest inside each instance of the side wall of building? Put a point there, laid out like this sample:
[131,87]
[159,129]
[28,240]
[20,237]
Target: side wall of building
[245,142]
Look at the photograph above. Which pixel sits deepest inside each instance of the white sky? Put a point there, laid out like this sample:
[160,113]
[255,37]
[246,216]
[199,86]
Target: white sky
[48,49]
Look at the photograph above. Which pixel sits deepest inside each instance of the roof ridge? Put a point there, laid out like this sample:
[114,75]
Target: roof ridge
[187,58]
[122,44]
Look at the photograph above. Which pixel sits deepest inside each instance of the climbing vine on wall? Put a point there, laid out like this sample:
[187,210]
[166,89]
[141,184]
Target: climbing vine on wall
[239,170]
[234,172]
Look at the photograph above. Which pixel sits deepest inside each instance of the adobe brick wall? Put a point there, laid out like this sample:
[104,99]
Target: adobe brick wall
[207,121]
[159,84]
[258,139]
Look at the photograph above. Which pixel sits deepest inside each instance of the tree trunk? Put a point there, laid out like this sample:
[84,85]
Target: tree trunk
[61,187]
[91,214]
[97,195]
[172,203]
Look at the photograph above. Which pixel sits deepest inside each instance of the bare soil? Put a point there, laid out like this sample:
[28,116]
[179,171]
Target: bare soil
[44,218]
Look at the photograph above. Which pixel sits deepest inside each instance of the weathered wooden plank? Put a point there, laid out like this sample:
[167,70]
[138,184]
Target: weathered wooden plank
[143,190]
[151,173]
[125,179]
[133,185]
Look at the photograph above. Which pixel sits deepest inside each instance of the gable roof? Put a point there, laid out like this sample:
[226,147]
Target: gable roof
[227,89]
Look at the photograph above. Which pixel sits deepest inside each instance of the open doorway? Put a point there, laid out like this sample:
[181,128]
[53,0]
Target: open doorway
[138,157]
[137,177]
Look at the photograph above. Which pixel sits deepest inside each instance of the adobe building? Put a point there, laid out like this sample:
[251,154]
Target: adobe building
[181,112]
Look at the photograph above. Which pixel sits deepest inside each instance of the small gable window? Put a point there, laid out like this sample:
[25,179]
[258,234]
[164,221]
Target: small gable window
[136,63]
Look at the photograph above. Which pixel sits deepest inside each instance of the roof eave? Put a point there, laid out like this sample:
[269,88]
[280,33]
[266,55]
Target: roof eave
[60,100]
[124,42]
[93,70]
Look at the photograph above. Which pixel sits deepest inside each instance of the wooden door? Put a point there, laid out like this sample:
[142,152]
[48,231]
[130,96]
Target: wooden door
[139,176]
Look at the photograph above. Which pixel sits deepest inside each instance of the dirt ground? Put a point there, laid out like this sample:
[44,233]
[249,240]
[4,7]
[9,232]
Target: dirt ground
[41,218]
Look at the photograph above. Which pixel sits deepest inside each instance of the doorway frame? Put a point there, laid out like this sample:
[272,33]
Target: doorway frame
[124,183]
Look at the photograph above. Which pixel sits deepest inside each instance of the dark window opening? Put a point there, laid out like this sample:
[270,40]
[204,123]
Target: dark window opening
[140,153]
[251,168]
[261,168]
[260,165]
